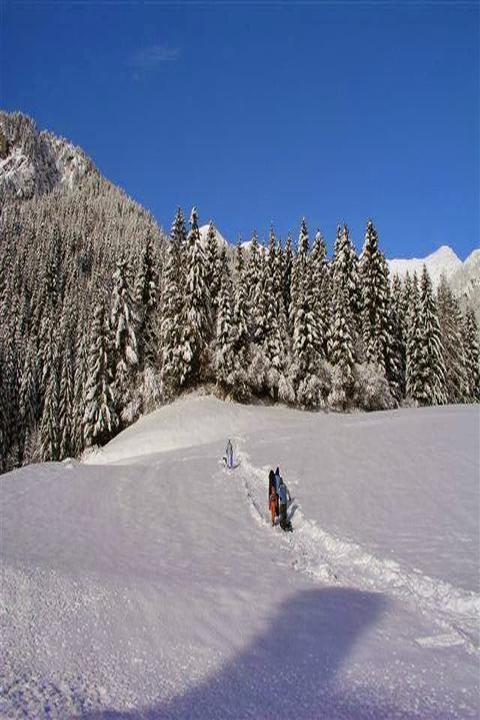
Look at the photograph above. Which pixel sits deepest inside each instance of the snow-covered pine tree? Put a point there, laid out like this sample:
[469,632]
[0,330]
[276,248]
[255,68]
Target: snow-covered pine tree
[145,301]
[345,273]
[178,236]
[299,270]
[306,345]
[213,269]
[287,275]
[431,386]
[196,316]
[414,342]
[450,322]
[341,352]
[49,426]
[253,267]
[66,408]
[124,341]
[472,355]
[225,335]
[100,419]
[273,343]
[257,274]
[398,314]
[375,311]
[29,401]
[80,381]
[320,299]
[170,329]
[241,336]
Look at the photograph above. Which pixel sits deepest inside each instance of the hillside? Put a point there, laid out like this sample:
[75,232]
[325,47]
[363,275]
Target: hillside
[148,582]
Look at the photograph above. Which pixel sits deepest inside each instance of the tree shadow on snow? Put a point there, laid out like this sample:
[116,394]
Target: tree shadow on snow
[286,672]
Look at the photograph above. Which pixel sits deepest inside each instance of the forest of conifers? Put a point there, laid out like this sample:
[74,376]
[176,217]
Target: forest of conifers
[104,317]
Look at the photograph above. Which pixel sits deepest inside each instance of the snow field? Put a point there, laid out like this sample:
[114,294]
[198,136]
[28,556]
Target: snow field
[147,583]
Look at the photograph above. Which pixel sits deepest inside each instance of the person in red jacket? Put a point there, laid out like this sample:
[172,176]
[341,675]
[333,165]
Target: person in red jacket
[273,503]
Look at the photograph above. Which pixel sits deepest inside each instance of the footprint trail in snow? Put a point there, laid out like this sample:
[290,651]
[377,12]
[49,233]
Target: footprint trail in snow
[332,560]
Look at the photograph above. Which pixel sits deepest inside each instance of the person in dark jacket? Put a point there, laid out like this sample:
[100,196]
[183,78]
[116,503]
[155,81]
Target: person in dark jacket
[284,499]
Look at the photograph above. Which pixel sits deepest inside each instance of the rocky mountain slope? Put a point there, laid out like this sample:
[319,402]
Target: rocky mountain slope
[34,163]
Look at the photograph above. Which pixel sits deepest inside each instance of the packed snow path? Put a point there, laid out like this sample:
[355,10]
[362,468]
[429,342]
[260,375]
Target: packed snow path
[332,559]
[148,584]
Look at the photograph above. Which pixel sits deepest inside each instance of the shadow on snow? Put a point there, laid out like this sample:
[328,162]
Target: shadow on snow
[287,672]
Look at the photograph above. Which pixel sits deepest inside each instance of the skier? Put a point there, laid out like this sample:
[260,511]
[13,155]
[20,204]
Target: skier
[284,498]
[273,504]
[229,455]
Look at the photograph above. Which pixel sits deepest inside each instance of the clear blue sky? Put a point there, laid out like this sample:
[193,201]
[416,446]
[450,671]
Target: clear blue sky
[266,112]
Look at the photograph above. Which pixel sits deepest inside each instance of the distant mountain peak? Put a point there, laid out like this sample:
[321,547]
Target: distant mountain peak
[443,261]
[203,230]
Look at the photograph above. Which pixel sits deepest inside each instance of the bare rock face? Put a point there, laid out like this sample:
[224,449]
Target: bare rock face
[35,163]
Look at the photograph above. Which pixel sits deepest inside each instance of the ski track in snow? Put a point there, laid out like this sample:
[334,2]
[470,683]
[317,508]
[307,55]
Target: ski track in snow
[333,560]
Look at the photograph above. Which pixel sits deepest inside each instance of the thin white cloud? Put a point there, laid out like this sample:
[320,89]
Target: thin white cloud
[152,57]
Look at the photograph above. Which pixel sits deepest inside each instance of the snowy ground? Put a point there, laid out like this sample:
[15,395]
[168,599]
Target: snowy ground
[148,582]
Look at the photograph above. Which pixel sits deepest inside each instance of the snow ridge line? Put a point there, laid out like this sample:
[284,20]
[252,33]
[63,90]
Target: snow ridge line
[325,557]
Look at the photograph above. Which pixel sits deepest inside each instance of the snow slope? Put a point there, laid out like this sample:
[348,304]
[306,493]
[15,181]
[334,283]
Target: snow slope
[442,261]
[149,583]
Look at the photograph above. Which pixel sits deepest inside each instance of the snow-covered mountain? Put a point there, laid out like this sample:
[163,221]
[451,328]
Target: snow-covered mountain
[465,282]
[33,162]
[150,583]
[218,235]
[442,261]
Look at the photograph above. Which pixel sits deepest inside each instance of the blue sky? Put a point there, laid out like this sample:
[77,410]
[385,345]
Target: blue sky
[265,112]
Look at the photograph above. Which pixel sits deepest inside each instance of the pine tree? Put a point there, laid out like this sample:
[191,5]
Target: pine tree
[287,275]
[299,270]
[145,294]
[431,386]
[450,322]
[320,299]
[306,346]
[472,355]
[414,343]
[49,428]
[341,352]
[124,341]
[100,419]
[345,275]
[374,281]
[80,381]
[213,276]
[66,407]
[241,336]
[171,329]
[224,345]
[196,311]
[178,236]
[398,313]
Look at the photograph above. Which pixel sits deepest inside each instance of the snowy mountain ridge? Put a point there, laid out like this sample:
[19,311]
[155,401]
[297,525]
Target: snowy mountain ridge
[443,261]
[35,163]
